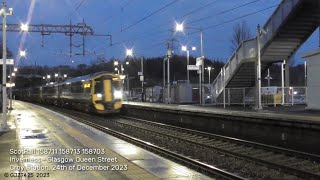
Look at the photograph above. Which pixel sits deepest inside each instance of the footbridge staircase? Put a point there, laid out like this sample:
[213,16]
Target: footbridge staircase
[290,25]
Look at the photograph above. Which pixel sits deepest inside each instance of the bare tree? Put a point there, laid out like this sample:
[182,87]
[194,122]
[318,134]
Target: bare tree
[241,32]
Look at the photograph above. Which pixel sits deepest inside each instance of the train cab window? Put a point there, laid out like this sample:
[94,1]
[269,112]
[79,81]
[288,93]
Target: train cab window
[98,87]
[116,85]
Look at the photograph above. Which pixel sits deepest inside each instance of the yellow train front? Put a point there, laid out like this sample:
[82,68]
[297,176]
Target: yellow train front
[99,92]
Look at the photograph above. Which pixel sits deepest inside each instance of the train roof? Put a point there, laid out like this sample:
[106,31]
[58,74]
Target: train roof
[85,77]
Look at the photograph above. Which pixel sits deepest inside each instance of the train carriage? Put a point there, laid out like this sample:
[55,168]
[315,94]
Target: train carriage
[100,92]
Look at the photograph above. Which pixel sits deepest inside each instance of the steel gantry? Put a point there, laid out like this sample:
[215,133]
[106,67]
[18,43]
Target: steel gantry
[81,29]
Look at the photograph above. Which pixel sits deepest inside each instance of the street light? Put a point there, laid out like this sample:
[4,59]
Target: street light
[209,70]
[15,69]
[116,63]
[185,48]
[129,52]
[24,27]
[4,14]
[179,27]
[22,53]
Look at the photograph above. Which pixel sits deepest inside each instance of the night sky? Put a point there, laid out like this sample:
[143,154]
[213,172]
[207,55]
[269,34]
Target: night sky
[120,18]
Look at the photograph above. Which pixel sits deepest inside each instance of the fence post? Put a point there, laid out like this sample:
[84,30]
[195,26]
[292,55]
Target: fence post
[229,97]
[224,98]
[244,97]
[151,95]
[292,94]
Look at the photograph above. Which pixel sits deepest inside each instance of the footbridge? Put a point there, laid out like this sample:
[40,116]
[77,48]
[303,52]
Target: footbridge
[290,25]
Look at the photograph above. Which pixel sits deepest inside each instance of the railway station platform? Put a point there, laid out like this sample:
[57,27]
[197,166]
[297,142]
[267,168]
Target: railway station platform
[288,126]
[43,144]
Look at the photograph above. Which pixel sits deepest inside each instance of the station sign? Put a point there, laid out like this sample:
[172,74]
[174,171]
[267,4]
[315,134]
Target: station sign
[199,61]
[193,67]
[8,61]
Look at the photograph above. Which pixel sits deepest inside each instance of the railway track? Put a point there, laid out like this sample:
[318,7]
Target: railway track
[204,151]
[188,161]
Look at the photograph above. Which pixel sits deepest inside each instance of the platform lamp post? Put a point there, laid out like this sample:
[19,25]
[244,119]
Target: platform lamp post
[129,53]
[56,77]
[4,14]
[185,48]
[180,28]
[48,79]
[258,105]
[13,74]
[209,75]
[65,76]
[11,84]
[116,64]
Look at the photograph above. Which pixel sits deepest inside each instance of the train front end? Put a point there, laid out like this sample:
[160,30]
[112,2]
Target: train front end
[107,94]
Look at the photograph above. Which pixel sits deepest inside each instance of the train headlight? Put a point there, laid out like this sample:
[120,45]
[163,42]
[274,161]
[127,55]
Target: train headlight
[117,94]
[99,95]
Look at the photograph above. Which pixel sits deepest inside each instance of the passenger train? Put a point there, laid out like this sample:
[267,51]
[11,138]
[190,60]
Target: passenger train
[100,93]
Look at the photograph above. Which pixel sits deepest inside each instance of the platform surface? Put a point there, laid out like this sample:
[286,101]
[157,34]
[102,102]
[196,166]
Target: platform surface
[51,138]
[288,113]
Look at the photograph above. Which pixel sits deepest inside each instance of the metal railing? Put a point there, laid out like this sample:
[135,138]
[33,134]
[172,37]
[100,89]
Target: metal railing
[276,19]
[270,96]
[247,49]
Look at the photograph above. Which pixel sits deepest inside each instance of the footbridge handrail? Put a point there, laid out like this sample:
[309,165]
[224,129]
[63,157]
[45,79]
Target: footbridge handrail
[276,19]
[246,50]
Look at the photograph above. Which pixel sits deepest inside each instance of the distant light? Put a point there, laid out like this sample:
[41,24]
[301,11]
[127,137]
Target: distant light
[209,68]
[56,75]
[127,63]
[116,69]
[13,74]
[179,27]
[48,76]
[129,52]
[15,69]
[99,95]
[8,76]
[24,27]
[122,77]
[43,77]
[295,92]
[194,48]
[184,48]
[72,61]
[65,75]
[51,83]
[82,80]
[22,53]
[116,63]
